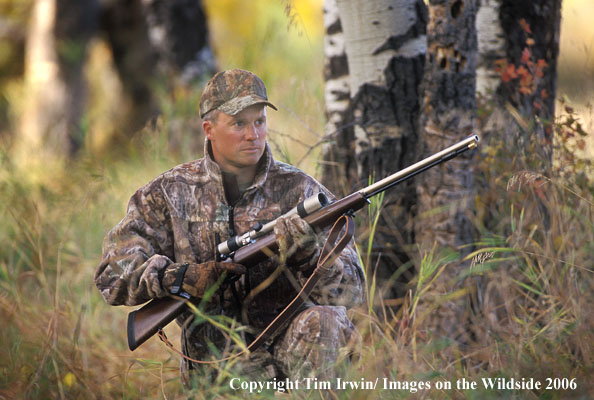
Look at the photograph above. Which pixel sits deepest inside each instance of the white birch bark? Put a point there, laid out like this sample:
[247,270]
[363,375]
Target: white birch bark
[367,25]
[385,44]
[491,42]
[337,90]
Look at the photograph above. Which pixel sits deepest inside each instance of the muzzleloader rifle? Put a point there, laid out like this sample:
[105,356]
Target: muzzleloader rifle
[256,245]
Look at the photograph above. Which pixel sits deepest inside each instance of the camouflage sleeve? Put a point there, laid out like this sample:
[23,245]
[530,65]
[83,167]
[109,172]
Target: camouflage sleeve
[135,254]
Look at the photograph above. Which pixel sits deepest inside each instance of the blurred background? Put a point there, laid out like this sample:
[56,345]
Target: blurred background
[60,340]
[281,40]
[576,61]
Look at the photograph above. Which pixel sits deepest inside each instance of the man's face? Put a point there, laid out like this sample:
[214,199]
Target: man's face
[238,141]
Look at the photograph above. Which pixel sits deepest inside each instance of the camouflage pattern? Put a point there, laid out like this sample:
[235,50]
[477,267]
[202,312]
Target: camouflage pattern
[198,278]
[316,344]
[296,239]
[316,341]
[232,91]
[179,216]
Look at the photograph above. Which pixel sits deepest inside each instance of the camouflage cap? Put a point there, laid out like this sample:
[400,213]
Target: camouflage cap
[232,91]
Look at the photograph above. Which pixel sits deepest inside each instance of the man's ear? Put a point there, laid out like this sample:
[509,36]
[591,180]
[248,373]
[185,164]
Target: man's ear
[207,128]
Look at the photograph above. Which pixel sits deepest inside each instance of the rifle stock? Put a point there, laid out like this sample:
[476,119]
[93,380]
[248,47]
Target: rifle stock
[146,321]
[156,314]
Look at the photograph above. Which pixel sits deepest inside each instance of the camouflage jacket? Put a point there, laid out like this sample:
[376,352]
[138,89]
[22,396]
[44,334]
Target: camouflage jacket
[180,216]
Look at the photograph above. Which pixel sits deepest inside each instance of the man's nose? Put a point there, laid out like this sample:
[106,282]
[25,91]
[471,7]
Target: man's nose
[251,132]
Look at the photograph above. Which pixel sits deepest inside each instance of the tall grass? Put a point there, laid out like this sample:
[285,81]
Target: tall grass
[530,275]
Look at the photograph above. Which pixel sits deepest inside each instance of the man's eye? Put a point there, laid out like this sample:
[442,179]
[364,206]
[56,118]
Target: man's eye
[239,123]
[260,121]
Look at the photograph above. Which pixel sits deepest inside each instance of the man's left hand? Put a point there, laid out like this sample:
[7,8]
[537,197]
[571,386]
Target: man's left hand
[296,239]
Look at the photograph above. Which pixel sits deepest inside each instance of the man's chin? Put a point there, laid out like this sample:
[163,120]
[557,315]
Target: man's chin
[250,160]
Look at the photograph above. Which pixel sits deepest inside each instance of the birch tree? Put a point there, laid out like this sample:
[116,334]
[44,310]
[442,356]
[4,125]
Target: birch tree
[449,106]
[445,194]
[518,47]
[384,42]
[518,50]
[338,153]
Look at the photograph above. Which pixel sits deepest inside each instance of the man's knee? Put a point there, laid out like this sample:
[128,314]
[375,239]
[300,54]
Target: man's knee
[317,339]
[322,324]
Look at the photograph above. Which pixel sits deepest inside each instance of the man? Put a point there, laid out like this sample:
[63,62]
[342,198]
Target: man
[173,224]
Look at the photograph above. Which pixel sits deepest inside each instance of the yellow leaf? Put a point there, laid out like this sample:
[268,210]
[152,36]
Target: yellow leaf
[69,379]
[558,242]
[26,370]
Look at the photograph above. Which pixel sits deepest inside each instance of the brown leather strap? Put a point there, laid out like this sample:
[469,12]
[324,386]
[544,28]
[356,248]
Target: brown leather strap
[339,236]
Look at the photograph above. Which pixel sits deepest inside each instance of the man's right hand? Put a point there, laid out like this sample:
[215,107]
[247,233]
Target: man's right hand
[197,278]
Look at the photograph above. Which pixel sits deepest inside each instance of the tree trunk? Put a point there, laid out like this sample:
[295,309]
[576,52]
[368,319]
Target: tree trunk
[519,43]
[338,153]
[385,46]
[522,60]
[178,30]
[55,52]
[491,46]
[446,193]
[126,30]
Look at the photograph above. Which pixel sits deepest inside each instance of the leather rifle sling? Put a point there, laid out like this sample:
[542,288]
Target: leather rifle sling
[339,236]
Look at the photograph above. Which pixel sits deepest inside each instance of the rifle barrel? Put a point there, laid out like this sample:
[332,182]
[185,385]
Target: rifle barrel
[469,143]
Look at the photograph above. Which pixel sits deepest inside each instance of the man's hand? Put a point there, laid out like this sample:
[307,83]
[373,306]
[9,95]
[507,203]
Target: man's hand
[195,279]
[296,239]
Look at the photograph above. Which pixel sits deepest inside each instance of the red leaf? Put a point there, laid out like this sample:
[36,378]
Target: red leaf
[541,63]
[511,71]
[523,72]
[500,65]
[525,26]
[544,94]
[526,56]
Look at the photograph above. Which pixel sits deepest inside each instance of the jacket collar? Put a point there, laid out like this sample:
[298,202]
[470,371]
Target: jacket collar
[213,170]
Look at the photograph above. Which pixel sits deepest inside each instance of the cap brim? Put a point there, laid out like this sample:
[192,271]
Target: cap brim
[238,104]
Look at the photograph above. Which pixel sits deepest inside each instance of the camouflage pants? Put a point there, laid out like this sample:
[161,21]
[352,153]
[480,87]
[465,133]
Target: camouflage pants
[314,343]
